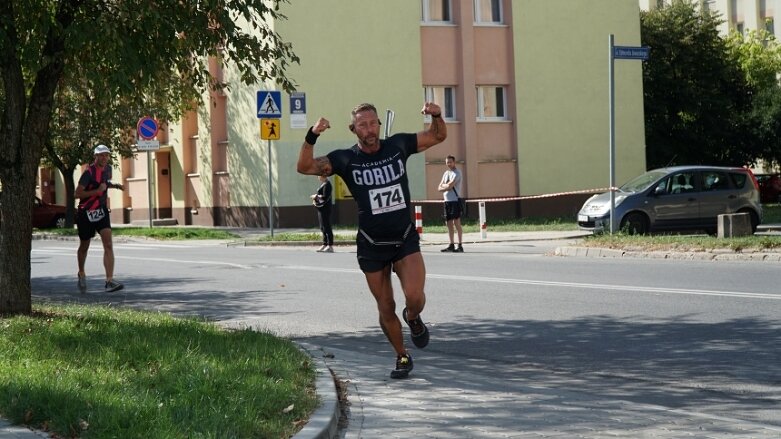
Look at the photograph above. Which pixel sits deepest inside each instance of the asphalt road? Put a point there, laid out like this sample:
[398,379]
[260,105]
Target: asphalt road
[668,342]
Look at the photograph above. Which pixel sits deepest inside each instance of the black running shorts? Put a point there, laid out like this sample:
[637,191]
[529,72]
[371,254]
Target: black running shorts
[374,257]
[87,229]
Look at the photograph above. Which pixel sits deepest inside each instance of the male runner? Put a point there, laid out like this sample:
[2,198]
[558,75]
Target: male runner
[93,216]
[375,172]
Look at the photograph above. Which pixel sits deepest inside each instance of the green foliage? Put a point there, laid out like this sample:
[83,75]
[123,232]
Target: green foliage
[759,56]
[771,213]
[696,96]
[99,372]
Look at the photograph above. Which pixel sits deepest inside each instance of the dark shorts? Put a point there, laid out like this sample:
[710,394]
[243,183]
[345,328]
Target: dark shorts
[452,210]
[374,257]
[87,229]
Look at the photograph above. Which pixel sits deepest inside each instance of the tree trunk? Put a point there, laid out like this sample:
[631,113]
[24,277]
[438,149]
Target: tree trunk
[15,245]
[70,199]
[70,187]
[24,128]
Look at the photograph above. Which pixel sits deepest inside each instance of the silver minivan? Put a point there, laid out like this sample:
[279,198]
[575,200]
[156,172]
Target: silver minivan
[676,198]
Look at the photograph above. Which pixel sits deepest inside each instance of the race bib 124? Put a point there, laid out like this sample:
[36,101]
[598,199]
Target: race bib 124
[95,215]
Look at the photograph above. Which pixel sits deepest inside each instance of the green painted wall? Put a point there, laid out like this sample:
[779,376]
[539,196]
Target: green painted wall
[348,56]
[561,53]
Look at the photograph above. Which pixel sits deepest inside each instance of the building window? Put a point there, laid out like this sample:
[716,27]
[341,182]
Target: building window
[436,11]
[491,102]
[444,97]
[488,11]
[770,26]
[739,28]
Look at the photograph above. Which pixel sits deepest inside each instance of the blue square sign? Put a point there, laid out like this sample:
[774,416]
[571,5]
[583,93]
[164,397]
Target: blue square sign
[269,104]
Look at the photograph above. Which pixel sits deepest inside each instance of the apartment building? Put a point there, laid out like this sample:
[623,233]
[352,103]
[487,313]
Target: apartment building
[524,87]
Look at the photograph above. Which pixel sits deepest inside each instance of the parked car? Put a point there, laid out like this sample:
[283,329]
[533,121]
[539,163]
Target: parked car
[676,198]
[46,216]
[769,188]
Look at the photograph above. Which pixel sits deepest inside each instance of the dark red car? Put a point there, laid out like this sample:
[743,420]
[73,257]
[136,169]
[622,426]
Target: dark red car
[769,188]
[47,216]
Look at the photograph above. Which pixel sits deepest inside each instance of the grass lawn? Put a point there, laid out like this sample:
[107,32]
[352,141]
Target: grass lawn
[689,242]
[102,372]
[173,233]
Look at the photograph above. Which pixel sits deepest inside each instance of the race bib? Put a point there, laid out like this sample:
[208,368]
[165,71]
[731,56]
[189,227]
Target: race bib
[387,199]
[95,215]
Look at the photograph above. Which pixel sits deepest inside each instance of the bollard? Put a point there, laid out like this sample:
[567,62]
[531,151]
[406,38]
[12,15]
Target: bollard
[419,220]
[483,230]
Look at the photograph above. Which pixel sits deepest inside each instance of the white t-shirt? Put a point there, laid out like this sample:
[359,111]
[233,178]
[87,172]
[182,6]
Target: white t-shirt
[447,177]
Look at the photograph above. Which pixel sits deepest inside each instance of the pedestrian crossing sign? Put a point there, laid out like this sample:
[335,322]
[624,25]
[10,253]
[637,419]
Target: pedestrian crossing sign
[269,129]
[269,104]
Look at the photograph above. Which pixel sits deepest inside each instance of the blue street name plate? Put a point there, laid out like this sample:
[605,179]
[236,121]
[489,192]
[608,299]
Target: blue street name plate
[626,52]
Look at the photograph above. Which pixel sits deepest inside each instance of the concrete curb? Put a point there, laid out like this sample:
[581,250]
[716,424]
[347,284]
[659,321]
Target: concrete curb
[729,255]
[324,422]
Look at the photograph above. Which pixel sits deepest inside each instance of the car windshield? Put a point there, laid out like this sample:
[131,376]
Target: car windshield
[641,183]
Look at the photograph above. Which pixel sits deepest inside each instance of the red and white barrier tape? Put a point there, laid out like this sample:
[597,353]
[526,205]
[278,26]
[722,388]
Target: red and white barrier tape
[526,197]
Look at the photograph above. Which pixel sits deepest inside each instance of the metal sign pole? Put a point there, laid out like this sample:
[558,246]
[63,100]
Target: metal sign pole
[149,183]
[270,194]
[612,154]
[389,116]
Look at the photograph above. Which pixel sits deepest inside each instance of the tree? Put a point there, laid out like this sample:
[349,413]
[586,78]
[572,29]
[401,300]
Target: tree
[759,57]
[696,97]
[121,45]
[84,116]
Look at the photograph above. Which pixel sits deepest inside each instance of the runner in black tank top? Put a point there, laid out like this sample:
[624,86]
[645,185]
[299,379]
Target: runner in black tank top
[375,172]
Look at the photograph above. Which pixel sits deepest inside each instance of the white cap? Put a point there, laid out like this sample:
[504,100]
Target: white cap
[100,149]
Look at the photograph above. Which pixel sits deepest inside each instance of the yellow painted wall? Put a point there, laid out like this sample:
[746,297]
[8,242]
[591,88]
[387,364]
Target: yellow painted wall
[561,51]
[350,53]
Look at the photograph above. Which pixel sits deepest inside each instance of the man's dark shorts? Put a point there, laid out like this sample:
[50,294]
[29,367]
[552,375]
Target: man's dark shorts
[373,257]
[88,229]
[452,210]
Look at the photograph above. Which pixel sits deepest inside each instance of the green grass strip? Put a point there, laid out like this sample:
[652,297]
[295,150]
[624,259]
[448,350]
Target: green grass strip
[100,372]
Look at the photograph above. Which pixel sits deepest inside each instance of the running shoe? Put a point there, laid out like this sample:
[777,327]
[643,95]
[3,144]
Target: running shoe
[328,249]
[418,330]
[83,284]
[320,250]
[403,366]
[459,249]
[113,285]
[449,249]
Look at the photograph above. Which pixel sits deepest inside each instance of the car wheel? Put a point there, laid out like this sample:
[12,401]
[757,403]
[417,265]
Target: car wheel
[634,223]
[753,219]
[59,222]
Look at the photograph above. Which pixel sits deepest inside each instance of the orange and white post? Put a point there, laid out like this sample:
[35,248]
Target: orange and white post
[483,231]
[419,220]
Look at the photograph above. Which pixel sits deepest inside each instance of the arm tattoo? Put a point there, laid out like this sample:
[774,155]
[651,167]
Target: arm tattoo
[323,165]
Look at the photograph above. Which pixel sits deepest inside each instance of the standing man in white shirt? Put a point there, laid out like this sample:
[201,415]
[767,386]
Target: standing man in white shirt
[451,189]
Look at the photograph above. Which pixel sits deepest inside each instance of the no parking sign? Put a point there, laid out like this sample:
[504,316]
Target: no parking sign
[147,129]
